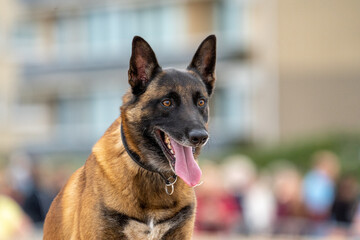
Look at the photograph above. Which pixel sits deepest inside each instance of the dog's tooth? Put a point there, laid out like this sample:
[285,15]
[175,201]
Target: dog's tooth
[172,151]
[169,146]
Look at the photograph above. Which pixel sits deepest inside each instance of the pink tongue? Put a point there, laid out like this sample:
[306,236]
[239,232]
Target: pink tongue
[185,165]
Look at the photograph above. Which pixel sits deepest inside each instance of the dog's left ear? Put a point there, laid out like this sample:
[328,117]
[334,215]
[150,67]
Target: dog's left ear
[204,62]
[143,65]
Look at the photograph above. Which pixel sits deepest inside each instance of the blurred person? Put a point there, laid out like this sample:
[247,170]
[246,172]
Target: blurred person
[19,173]
[25,177]
[37,202]
[345,205]
[259,206]
[217,209]
[355,226]
[287,189]
[14,224]
[238,174]
[319,190]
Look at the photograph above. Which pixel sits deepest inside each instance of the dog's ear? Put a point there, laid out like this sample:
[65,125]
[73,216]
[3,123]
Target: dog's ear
[143,65]
[204,62]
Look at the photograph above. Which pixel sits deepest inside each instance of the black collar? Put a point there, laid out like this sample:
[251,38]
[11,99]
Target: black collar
[136,158]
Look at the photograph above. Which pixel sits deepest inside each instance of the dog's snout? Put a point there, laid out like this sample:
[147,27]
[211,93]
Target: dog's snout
[198,136]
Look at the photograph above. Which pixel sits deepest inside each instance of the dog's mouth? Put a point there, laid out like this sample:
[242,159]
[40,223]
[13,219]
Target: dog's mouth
[166,147]
[180,157]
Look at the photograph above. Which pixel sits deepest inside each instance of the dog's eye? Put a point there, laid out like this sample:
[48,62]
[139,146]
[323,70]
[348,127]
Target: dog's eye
[201,103]
[166,103]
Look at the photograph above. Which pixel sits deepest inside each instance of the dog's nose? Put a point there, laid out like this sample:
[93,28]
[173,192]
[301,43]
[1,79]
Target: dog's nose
[198,136]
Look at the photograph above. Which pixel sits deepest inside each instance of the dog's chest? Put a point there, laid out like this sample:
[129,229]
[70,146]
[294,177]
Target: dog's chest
[118,225]
[151,231]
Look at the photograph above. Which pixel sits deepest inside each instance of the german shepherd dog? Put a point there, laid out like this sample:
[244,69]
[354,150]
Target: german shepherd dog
[138,181]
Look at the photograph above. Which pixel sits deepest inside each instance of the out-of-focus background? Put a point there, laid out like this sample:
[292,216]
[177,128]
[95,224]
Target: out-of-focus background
[283,160]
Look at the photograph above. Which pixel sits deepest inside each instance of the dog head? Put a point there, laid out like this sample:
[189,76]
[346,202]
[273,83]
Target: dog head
[165,113]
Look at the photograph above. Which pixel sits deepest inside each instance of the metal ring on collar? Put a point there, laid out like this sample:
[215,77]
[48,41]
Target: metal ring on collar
[167,191]
[170,184]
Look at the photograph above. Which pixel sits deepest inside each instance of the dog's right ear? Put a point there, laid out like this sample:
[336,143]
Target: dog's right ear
[143,65]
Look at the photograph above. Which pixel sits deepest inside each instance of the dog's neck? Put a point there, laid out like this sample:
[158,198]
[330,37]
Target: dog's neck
[169,182]
[111,150]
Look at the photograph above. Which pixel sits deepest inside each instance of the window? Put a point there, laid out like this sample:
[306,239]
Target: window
[24,38]
[110,31]
[98,32]
[106,108]
[67,37]
[231,104]
[174,26]
[230,20]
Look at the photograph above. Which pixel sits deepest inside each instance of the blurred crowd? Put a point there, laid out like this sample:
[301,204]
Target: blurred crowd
[27,188]
[235,198]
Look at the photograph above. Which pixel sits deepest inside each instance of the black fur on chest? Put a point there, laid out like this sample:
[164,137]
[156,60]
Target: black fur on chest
[115,225]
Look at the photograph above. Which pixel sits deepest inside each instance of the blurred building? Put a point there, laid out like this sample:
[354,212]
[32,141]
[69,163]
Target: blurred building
[319,66]
[8,72]
[72,60]
[284,67]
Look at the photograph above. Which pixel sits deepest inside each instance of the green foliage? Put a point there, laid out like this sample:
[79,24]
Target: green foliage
[346,147]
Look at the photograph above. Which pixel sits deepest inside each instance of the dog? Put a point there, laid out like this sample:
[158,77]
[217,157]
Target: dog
[138,181]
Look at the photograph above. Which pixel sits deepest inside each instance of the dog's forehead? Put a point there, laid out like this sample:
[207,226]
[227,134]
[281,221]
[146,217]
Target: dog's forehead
[182,81]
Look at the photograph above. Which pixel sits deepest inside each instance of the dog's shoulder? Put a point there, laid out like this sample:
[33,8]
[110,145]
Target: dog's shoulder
[63,213]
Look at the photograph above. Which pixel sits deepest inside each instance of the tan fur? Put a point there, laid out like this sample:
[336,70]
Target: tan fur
[111,177]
